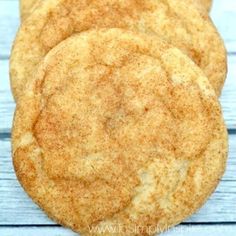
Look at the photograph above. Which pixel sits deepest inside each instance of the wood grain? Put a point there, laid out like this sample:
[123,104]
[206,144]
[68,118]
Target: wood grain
[181,230]
[9,22]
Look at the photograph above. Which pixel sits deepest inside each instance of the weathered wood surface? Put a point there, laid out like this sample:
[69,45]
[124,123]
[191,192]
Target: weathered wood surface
[181,230]
[19,216]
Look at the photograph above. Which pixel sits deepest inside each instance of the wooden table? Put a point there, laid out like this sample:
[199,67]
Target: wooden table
[19,216]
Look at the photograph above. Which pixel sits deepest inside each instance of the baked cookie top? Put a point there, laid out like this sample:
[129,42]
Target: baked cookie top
[180,23]
[26,6]
[118,129]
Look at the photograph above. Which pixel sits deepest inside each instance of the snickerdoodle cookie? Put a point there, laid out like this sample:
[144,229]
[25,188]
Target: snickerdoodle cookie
[26,6]
[118,130]
[178,22]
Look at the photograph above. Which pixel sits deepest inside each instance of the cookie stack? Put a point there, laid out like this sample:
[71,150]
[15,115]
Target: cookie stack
[118,129]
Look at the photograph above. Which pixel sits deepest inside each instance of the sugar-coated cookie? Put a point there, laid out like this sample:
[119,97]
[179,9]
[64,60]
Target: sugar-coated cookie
[26,6]
[118,131]
[181,24]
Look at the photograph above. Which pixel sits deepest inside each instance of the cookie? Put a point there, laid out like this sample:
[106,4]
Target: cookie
[201,5]
[175,21]
[206,3]
[26,6]
[118,129]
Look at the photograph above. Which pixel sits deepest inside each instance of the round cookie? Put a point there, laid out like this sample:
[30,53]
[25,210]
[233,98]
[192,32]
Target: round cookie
[180,23]
[118,129]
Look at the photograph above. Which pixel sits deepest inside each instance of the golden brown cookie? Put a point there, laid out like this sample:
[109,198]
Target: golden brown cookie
[26,6]
[118,129]
[175,21]
[201,5]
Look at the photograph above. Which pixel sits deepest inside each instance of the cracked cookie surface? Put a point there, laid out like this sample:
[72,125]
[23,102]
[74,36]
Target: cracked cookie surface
[120,131]
[178,22]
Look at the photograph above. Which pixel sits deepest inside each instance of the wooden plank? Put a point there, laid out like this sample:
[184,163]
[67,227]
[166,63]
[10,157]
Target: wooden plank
[223,15]
[202,230]
[7,105]
[228,98]
[9,22]
[180,230]
[18,209]
[36,231]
